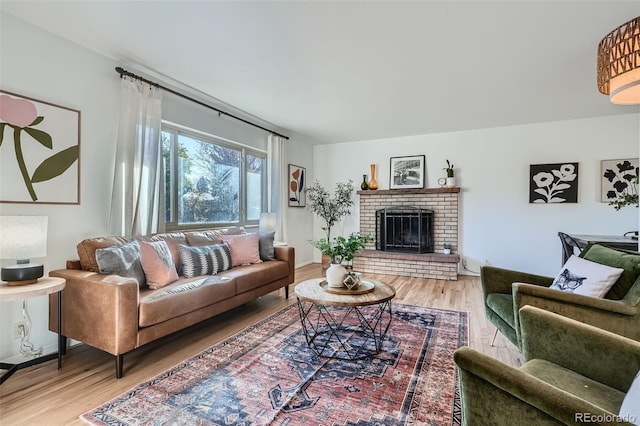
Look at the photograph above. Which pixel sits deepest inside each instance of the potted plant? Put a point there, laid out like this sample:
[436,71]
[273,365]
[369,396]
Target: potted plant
[339,250]
[451,180]
[446,248]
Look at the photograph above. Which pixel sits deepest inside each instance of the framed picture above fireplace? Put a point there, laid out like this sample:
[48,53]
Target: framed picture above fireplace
[406,172]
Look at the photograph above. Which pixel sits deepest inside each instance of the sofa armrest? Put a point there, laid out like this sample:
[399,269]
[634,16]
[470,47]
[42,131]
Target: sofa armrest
[495,393]
[287,254]
[593,352]
[99,310]
[499,280]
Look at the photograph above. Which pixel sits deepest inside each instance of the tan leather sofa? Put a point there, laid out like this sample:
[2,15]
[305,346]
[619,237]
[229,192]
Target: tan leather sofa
[114,314]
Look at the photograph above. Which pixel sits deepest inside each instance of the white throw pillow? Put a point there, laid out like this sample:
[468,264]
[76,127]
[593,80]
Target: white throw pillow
[581,276]
[630,410]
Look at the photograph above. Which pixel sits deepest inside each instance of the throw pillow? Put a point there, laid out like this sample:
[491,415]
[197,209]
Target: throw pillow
[204,260]
[630,409]
[157,264]
[173,239]
[628,260]
[581,276]
[244,248]
[265,245]
[123,260]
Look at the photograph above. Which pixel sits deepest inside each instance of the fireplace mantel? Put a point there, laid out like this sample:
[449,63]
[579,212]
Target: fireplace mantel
[443,190]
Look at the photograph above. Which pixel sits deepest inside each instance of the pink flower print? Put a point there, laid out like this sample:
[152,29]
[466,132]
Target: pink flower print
[17,112]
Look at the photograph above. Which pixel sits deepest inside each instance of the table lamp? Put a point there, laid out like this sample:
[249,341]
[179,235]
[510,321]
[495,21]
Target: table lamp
[267,222]
[22,238]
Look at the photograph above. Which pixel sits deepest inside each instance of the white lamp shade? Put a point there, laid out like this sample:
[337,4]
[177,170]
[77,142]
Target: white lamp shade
[267,222]
[23,237]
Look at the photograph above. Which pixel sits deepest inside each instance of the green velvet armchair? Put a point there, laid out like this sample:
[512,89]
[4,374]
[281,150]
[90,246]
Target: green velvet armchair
[573,373]
[506,291]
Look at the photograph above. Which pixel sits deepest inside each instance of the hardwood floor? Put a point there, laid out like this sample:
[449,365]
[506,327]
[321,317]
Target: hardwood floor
[43,395]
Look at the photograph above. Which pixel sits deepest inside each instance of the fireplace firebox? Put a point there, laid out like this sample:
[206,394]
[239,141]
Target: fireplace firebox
[404,229]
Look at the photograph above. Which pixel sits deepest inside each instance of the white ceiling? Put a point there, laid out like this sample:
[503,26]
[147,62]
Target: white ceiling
[344,71]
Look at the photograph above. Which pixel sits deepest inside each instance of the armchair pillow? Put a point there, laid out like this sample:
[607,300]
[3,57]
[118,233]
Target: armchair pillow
[581,276]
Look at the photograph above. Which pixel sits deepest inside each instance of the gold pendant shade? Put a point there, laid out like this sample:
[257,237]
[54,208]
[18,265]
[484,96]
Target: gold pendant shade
[619,64]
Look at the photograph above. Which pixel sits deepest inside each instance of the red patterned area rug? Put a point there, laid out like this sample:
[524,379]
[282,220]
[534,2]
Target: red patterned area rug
[268,375]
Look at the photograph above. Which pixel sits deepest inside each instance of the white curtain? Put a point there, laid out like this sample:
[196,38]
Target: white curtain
[276,183]
[137,197]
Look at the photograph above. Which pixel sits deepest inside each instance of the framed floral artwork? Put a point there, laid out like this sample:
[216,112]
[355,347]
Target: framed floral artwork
[406,172]
[553,183]
[297,180]
[39,151]
[619,178]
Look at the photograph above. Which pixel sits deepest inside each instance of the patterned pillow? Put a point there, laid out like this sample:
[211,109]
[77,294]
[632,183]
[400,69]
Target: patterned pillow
[123,260]
[204,260]
[157,264]
[581,276]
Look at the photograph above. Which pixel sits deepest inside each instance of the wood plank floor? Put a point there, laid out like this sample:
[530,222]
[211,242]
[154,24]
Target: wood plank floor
[42,395]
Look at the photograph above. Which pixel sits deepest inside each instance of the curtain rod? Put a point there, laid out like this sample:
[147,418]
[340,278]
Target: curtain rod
[124,72]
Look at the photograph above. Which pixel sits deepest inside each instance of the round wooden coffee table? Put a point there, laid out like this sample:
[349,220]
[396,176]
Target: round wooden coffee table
[344,325]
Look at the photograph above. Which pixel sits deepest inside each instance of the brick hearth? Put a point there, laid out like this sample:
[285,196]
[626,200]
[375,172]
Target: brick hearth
[443,202]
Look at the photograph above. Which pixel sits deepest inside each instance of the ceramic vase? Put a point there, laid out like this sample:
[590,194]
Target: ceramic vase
[364,185]
[451,182]
[335,275]
[373,183]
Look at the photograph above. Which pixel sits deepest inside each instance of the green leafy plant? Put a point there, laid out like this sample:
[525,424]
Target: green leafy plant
[341,249]
[329,208]
[449,169]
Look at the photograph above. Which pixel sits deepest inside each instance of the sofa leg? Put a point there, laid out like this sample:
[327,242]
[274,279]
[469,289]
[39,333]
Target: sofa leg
[286,292]
[494,337]
[119,363]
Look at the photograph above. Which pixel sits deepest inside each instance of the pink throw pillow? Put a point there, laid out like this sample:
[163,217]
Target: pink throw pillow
[244,248]
[157,264]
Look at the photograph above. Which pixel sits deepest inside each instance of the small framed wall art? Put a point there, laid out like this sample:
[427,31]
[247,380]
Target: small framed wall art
[553,183]
[296,183]
[406,172]
[40,155]
[619,178]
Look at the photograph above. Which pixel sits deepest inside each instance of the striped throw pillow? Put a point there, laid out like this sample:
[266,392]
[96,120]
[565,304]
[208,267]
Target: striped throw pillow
[204,260]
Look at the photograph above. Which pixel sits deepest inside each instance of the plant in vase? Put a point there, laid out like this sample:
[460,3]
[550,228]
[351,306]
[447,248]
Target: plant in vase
[446,248]
[340,250]
[451,180]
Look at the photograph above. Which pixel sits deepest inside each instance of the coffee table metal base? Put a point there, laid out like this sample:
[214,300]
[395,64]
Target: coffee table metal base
[345,332]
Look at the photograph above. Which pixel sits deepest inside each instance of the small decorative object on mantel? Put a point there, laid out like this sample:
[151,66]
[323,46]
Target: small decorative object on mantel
[373,183]
[407,172]
[364,185]
[620,182]
[446,248]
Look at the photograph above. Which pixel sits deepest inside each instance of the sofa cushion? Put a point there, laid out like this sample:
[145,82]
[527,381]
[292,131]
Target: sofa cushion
[581,276]
[250,277]
[87,250]
[204,260]
[244,248]
[173,239]
[181,297]
[210,237]
[265,245]
[157,264]
[122,260]
[629,261]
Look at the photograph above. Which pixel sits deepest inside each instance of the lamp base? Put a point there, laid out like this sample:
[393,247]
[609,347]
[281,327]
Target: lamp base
[22,274]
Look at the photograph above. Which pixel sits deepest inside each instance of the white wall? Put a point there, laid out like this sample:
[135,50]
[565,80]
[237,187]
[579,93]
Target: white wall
[497,223]
[40,65]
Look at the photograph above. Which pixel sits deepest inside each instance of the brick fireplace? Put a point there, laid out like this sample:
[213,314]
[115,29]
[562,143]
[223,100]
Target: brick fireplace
[444,204]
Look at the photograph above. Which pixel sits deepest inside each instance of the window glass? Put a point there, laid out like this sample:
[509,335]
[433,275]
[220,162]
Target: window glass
[211,183]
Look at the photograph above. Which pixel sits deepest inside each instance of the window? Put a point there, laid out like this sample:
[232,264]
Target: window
[211,182]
